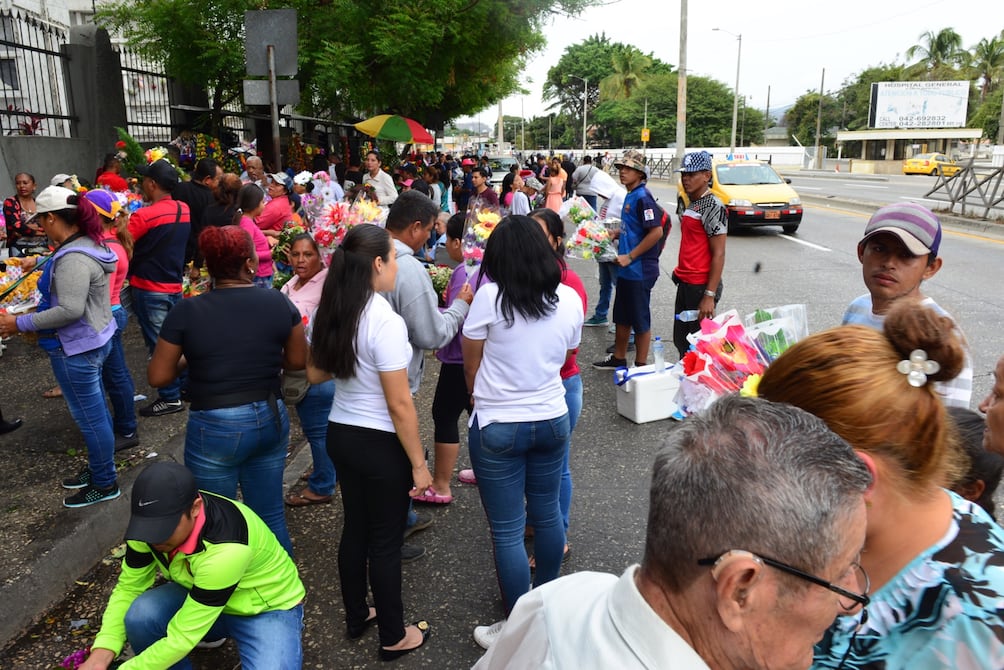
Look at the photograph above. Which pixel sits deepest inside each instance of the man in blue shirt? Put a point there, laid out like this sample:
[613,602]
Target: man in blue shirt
[642,221]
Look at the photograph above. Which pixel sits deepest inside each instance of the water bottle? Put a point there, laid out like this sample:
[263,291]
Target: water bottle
[659,355]
[688,315]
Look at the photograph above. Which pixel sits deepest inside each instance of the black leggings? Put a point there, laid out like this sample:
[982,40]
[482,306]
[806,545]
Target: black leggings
[451,400]
[374,475]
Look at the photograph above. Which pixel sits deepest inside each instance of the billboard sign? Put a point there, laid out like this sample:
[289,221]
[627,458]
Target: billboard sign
[919,104]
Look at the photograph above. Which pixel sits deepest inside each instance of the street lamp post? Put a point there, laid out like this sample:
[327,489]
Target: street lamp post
[735,96]
[585,102]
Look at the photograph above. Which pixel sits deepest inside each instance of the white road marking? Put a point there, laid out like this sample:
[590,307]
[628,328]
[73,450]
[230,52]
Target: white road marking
[808,244]
[907,197]
[884,188]
[810,188]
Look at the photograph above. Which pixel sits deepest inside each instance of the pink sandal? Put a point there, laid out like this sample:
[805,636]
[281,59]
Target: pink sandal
[431,497]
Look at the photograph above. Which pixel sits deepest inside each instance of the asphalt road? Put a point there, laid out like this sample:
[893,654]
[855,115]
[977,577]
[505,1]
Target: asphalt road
[454,585]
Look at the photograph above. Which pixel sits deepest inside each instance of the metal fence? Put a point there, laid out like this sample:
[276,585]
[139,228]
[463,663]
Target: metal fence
[32,83]
[147,97]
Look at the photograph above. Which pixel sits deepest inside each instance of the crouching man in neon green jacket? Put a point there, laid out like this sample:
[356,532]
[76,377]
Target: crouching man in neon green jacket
[227,576]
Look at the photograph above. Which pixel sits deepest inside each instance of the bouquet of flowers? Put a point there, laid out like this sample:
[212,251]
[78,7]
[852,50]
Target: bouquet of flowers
[330,227]
[190,289]
[723,359]
[18,292]
[576,211]
[481,221]
[591,240]
[440,275]
[775,329]
[280,252]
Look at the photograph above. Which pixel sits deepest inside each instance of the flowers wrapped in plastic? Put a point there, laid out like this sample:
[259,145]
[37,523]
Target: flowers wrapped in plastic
[722,360]
[774,329]
[576,210]
[591,239]
[481,221]
[440,275]
[19,290]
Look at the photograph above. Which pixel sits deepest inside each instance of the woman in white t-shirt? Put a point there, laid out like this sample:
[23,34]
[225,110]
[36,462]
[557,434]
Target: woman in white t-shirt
[372,432]
[522,326]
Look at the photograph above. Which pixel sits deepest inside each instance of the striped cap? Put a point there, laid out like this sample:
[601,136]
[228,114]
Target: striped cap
[915,225]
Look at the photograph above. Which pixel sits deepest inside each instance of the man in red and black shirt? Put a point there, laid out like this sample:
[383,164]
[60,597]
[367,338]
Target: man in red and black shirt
[161,233]
[703,228]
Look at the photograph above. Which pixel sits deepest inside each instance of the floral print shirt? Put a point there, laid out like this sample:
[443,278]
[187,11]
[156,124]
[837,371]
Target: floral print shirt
[942,611]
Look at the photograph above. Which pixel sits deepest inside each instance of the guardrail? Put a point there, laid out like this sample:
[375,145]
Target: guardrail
[974,186]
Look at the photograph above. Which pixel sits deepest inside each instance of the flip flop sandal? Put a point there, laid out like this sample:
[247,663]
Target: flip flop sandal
[54,392]
[431,497]
[300,500]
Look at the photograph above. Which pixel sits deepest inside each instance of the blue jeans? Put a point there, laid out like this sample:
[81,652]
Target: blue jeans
[118,380]
[573,400]
[243,445]
[313,411]
[608,280]
[79,376]
[151,309]
[591,199]
[266,641]
[518,466]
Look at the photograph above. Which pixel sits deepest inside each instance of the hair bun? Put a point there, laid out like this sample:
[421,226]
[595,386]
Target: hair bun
[910,325]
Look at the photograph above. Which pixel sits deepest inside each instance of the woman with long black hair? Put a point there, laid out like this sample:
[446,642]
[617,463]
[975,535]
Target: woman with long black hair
[373,435]
[522,327]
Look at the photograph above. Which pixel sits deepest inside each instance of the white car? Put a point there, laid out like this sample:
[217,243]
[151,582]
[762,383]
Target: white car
[500,166]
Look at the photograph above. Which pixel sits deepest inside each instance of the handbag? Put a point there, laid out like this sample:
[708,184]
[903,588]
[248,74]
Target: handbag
[294,386]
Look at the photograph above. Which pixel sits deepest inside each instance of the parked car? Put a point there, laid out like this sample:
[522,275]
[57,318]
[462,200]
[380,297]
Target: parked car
[931,164]
[500,166]
[754,195]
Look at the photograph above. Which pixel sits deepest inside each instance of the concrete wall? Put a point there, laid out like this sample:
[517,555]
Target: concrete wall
[94,84]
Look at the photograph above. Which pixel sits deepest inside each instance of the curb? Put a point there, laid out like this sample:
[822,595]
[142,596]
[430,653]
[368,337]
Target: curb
[54,572]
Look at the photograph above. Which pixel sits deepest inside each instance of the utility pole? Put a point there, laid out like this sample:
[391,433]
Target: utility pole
[819,121]
[681,89]
[766,117]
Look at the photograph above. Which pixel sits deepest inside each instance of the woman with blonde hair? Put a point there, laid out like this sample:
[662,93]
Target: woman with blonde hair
[555,184]
[934,559]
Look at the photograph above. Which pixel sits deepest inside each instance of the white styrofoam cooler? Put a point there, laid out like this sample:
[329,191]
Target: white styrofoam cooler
[647,395]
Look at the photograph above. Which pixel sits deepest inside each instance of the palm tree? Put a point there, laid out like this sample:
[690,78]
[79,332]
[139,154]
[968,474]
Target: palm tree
[936,50]
[988,63]
[629,65]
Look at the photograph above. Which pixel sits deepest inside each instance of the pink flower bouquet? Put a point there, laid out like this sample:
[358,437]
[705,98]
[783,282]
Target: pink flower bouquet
[481,222]
[722,360]
[591,239]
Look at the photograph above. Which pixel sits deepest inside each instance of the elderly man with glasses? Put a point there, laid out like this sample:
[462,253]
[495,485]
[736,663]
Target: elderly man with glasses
[756,520]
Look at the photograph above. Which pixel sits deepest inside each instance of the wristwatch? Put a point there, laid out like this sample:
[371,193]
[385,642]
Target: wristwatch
[710,294]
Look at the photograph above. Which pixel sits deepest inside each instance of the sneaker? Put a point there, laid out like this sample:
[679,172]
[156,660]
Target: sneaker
[611,362]
[422,521]
[595,321]
[160,407]
[91,494]
[613,347]
[467,477]
[212,644]
[486,635]
[612,329]
[126,441]
[79,480]
[411,552]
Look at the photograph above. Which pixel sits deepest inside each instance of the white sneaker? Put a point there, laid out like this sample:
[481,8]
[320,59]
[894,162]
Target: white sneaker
[486,635]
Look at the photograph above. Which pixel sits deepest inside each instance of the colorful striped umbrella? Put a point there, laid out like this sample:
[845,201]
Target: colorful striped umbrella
[395,128]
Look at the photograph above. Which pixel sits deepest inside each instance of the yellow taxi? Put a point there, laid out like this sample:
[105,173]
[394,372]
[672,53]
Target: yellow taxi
[754,195]
[931,164]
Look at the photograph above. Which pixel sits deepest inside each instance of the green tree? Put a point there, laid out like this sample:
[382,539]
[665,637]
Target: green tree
[630,66]
[938,51]
[801,119]
[420,58]
[199,43]
[988,63]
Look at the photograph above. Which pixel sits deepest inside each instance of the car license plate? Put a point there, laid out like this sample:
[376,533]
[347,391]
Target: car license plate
[772,214]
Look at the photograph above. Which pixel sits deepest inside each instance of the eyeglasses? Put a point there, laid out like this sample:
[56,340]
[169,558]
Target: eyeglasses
[848,599]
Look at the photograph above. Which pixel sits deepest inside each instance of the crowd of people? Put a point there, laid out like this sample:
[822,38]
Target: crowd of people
[842,519]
